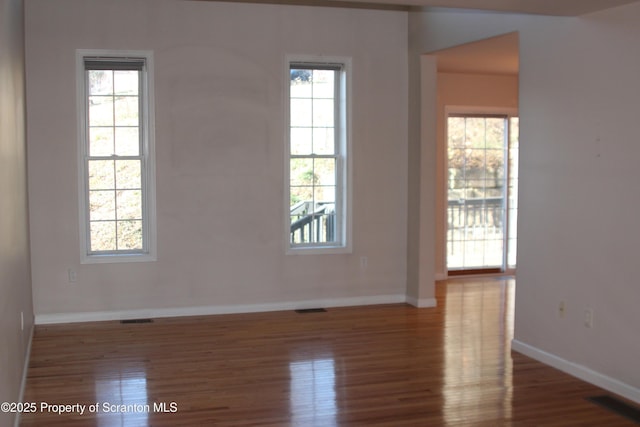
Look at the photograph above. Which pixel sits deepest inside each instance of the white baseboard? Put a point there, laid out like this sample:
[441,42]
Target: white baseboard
[25,371]
[94,316]
[611,384]
[422,302]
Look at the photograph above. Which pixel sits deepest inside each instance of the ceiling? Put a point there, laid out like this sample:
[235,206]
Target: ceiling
[500,55]
[496,55]
[540,7]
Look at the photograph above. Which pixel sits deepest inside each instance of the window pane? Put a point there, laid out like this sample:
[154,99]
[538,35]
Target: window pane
[103,236]
[330,227]
[512,217]
[475,193]
[494,158]
[492,251]
[474,163]
[325,171]
[301,83]
[126,111]
[494,193]
[496,132]
[127,141]
[128,174]
[323,229]
[456,158]
[323,141]
[301,113]
[100,111]
[100,82]
[102,205]
[301,141]
[129,204]
[129,235]
[455,131]
[475,132]
[101,141]
[325,195]
[323,110]
[323,84]
[475,175]
[456,189]
[301,172]
[101,175]
[301,194]
[125,82]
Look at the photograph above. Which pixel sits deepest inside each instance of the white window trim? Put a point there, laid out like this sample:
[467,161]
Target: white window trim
[345,186]
[149,221]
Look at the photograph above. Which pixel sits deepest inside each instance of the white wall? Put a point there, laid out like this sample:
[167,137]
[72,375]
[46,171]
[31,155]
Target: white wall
[220,135]
[15,286]
[579,197]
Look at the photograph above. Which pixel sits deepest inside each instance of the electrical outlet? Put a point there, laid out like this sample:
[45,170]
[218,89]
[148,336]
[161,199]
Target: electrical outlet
[73,277]
[364,262]
[562,309]
[588,318]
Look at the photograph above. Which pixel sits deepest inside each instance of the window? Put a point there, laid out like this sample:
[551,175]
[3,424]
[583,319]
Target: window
[116,163]
[482,164]
[317,156]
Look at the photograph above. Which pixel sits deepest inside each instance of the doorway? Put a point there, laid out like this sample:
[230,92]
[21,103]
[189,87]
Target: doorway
[479,78]
[481,202]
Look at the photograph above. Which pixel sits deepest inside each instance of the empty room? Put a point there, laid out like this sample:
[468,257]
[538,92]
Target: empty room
[227,213]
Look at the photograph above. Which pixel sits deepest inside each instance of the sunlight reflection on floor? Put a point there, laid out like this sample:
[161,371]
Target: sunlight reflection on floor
[122,399]
[313,391]
[477,345]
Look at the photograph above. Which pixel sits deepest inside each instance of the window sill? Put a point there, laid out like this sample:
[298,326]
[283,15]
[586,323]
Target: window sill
[318,250]
[117,258]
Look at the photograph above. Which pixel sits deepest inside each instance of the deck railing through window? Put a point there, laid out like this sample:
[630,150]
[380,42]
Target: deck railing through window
[312,224]
[473,219]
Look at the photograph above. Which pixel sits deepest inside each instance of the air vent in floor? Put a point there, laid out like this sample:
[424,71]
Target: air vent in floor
[136,321]
[311,310]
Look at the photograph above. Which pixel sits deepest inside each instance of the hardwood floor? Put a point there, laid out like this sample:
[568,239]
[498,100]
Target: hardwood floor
[387,365]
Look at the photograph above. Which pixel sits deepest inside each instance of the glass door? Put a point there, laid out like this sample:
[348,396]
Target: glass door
[481,192]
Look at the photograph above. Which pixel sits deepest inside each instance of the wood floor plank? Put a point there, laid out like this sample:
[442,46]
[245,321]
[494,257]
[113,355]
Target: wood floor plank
[386,365]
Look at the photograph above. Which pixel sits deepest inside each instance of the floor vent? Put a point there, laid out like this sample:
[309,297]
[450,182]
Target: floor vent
[311,310]
[136,321]
[618,406]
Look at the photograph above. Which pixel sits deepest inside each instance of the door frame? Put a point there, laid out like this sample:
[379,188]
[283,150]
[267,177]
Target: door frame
[473,110]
